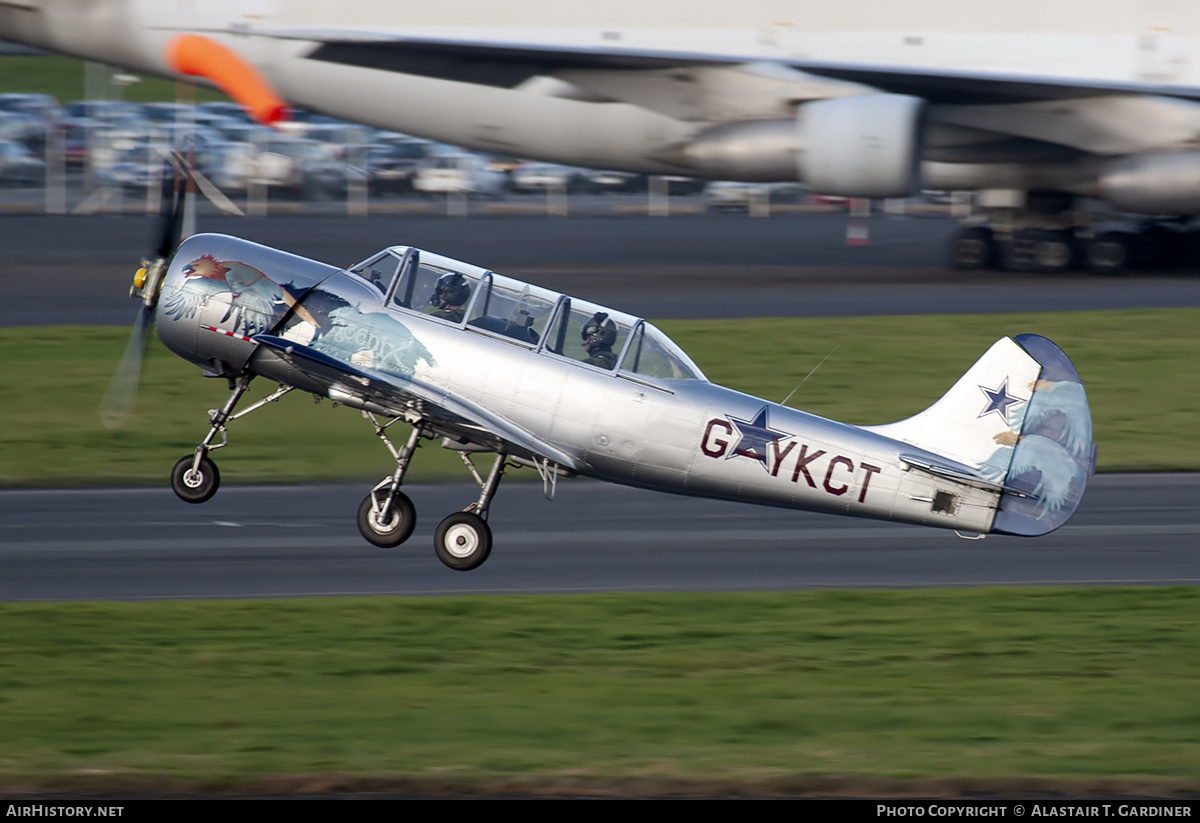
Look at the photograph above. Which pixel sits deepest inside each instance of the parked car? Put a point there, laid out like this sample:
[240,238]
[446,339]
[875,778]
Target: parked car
[729,195]
[623,182]
[541,177]
[226,109]
[457,173]
[232,167]
[106,110]
[303,168]
[23,128]
[136,167]
[685,186]
[79,134]
[392,165]
[41,106]
[18,166]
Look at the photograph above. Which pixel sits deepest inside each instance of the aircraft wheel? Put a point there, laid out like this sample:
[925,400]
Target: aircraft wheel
[1109,253]
[972,249]
[390,526]
[1052,251]
[463,541]
[195,486]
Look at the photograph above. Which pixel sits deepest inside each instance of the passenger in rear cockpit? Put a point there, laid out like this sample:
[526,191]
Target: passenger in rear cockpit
[598,334]
[450,295]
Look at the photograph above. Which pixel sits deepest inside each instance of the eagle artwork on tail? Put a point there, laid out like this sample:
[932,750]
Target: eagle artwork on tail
[256,302]
[1045,458]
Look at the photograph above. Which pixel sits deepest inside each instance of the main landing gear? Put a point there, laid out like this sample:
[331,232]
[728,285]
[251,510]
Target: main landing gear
[386,516]
[1050,235]
[976,248]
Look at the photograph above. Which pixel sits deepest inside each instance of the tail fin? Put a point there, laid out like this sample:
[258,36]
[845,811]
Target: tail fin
[1020,418]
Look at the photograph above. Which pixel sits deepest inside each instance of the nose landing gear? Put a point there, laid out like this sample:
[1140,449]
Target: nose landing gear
[195,478]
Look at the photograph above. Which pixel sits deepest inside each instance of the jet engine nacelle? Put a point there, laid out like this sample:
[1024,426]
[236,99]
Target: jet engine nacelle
[863,146]
[1153,183]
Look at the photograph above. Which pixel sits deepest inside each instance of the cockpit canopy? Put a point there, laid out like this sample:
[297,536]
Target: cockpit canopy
[485,302]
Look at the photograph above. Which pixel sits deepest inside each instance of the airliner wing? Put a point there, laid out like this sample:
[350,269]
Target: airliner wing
[507,64]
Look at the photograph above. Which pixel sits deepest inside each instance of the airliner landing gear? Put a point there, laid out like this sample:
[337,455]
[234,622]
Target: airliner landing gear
[1050,235]
[1109,253]
[972,249]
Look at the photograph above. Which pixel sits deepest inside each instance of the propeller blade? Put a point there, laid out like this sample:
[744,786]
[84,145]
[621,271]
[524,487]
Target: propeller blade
[171,216]
[115,405]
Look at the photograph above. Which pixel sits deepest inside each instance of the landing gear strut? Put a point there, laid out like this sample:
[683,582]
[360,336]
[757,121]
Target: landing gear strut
[1052,232]
[464,540]
[195,478]
[387,516]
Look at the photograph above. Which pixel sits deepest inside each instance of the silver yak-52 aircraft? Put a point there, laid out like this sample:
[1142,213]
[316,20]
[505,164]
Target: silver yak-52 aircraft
[490,364]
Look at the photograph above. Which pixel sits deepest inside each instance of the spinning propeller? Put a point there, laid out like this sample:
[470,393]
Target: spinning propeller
[199,56]
[147,284]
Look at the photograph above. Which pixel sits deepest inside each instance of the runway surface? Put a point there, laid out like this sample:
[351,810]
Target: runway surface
[77,270]
[279,541]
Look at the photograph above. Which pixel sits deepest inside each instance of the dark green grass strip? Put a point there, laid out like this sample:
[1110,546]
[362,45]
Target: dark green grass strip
[966,684]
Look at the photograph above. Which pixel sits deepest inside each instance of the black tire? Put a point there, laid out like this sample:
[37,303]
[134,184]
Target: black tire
[972,249]
[463,541]
[392,526]
[1051,252]
[1109,253]
[195,487]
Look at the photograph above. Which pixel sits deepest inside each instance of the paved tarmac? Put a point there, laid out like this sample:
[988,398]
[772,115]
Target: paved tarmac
[280,541]
[77,269]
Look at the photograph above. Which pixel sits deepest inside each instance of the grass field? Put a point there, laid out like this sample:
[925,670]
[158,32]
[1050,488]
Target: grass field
[64,78]
[1139,368]
[980,684]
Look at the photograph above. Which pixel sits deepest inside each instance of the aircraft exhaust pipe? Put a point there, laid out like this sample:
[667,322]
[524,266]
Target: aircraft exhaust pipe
[758,150]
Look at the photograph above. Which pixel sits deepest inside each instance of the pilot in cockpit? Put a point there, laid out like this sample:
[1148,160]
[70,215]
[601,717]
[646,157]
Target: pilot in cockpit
[598,334]
[450,295]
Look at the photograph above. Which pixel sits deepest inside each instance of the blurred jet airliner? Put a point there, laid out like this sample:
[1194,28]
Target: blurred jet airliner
[1046,102]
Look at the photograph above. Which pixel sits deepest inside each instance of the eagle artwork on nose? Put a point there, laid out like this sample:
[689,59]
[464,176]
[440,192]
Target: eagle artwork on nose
[256,302]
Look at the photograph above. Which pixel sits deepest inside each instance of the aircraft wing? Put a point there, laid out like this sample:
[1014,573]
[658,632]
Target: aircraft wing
[451,414]
[509,63]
